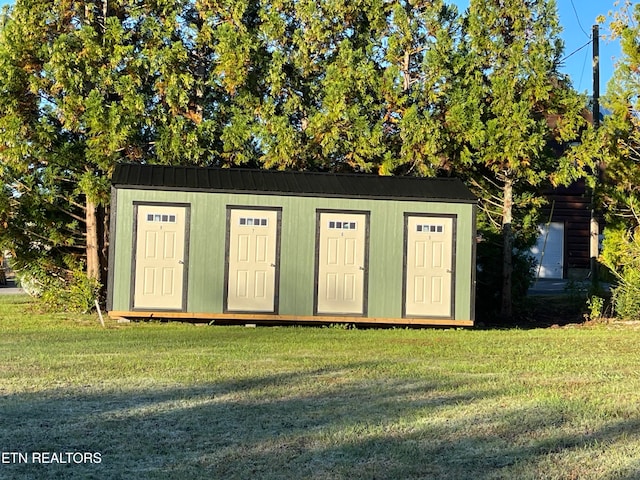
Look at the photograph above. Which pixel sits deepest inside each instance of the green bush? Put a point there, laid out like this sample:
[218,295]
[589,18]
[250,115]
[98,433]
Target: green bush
[58,289]
[596,307]
[621,255]
[626,295]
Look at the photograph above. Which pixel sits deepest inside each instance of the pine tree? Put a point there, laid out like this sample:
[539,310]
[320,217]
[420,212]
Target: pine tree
[619,136]
[404,87]
[421,61]
[616,146]
[521,106]
[86,85]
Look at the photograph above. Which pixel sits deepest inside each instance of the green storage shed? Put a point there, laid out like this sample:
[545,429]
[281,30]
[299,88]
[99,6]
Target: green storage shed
[255,246]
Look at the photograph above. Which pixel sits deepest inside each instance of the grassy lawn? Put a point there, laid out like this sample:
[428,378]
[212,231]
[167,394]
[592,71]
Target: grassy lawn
[179,401]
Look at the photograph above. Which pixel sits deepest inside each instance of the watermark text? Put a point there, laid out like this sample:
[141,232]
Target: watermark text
[77,458]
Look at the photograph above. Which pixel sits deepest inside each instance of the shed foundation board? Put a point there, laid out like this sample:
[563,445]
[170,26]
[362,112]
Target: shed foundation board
[298,319]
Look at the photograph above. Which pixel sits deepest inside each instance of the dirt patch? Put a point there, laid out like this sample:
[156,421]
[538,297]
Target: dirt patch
[547,310]
[544,311]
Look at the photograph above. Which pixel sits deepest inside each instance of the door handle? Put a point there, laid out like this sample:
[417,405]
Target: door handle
[180,262]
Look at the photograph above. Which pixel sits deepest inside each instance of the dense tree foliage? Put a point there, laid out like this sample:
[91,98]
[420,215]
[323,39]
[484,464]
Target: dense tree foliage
[404,87]
[620,133]
[618,147]
[85,85]
[521,111]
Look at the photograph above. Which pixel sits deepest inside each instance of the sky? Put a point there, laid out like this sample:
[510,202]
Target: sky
[577,18]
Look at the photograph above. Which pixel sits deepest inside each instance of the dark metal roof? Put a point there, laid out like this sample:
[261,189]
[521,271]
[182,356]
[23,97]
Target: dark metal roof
[270,182]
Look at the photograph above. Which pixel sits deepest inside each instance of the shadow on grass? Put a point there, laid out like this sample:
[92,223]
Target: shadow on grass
[272,428]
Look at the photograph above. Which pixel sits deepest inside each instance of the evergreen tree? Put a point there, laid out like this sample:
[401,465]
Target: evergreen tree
[319,105]
[356,86]
[619,137]
[402,87]
[616,146]
[422,60]
[84,85]
[520,108]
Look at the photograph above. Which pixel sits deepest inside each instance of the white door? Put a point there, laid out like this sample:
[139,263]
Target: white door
[429,266]
[160,257]
[252,259]
[341,268]
[549,250]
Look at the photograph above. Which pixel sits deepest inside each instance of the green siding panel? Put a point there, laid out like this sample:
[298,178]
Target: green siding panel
[207,248]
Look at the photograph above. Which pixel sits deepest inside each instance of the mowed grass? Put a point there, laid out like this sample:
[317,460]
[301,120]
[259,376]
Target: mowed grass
[179,401]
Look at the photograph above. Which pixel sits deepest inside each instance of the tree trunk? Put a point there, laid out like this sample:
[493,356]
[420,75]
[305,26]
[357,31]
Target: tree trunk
[506,307]
[406,71]
[93,252]
[104,245]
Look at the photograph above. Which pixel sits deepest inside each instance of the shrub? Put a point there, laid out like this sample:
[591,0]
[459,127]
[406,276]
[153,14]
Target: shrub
[596,307]
[626,295]
[621,255]
[58,289]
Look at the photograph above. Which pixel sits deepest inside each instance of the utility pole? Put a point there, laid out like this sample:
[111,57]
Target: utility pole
[596,75]
[594,228]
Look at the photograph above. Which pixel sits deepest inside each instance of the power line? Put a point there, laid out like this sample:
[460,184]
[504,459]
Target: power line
[578,19]
[584,63]
[576,51]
